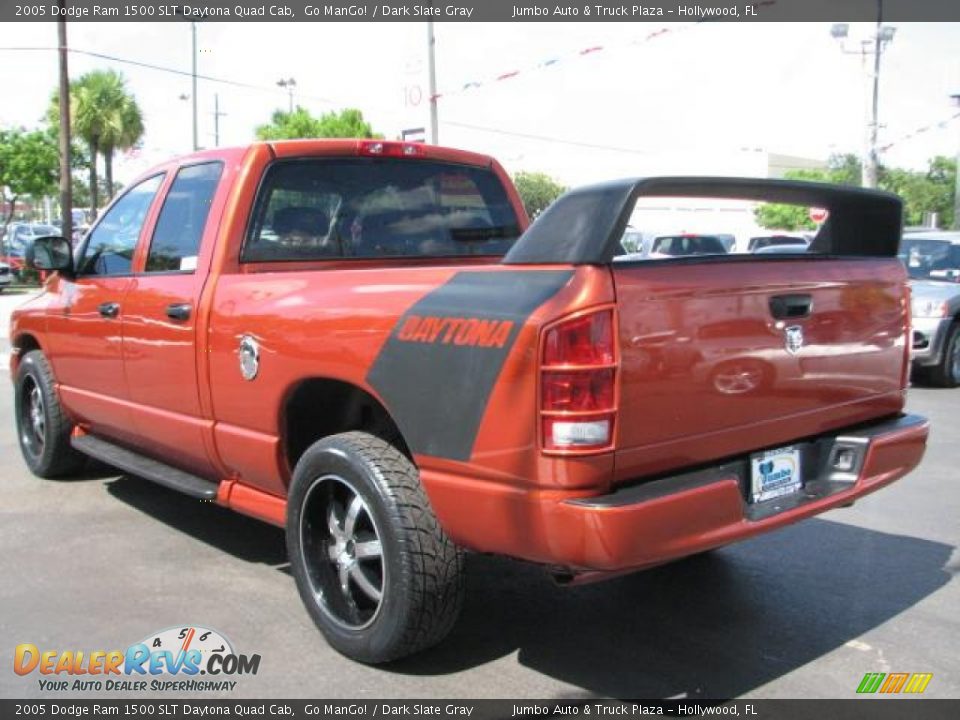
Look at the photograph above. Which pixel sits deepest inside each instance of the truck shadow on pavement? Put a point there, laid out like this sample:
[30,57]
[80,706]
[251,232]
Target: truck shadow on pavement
[713,626]
[235,534]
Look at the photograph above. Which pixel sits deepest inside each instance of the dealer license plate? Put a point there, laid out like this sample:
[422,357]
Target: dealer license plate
[774,473]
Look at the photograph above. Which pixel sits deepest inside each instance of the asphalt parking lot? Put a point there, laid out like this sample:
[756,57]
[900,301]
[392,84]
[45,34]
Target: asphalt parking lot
[102,561]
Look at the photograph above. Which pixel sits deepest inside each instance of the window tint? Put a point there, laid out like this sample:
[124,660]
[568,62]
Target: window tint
[110,245]
[689,245]
[379,207]
[176,238]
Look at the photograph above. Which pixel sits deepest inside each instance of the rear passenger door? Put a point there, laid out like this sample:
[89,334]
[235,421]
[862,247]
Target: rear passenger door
[162,319]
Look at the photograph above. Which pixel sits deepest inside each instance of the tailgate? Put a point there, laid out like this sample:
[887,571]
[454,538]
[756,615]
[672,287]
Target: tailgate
[722,354]
[719,359]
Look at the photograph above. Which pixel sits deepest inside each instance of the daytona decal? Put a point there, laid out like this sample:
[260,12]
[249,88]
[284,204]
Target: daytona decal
[442,360]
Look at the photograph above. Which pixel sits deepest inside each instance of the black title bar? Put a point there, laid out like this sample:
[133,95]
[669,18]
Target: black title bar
[481,11]
[181,708]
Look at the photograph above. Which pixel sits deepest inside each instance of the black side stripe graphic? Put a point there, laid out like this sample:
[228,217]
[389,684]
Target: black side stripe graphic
[440,364]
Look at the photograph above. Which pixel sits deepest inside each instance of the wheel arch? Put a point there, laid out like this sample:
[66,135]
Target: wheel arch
[317,407]
[23,343]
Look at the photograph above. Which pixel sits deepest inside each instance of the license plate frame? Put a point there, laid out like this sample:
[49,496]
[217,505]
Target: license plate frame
[775,473]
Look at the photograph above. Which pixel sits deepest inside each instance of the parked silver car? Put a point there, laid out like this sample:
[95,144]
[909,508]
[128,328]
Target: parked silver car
[932,260]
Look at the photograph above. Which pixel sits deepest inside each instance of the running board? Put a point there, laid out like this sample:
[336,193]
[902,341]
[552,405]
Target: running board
[145,467]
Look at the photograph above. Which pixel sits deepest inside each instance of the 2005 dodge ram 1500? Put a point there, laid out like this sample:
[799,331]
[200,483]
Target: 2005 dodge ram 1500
[363,341]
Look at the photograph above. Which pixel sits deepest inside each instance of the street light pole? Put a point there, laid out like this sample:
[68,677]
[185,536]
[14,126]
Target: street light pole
[66,194]
[289,84]
[882,36]
[432,70]
[870,170]
[193,79]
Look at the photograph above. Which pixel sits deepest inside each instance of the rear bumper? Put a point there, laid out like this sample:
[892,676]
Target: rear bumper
[656,521]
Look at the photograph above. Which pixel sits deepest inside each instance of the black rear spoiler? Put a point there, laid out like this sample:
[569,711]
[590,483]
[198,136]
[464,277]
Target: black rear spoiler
[584,226]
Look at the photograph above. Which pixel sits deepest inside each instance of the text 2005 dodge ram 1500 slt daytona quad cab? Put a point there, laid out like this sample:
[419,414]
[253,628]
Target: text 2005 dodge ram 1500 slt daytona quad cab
[363,342]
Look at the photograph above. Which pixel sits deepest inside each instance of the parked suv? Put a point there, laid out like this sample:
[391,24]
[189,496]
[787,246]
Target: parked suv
[932,260]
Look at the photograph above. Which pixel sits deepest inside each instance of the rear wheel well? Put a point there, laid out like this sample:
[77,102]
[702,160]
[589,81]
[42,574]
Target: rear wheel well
[320,407]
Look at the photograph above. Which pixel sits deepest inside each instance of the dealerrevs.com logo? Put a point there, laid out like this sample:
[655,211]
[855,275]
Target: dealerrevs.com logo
[180,659]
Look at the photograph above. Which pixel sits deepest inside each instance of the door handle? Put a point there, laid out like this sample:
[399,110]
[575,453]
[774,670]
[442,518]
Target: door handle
[783,307]
[109,309]
[179,311]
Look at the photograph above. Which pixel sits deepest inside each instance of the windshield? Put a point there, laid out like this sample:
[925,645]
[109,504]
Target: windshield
[379,207]
[930,259]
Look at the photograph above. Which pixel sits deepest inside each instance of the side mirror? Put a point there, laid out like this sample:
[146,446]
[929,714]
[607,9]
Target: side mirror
[50,254]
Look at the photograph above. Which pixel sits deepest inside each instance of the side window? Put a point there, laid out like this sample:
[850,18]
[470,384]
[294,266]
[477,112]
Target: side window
[110,246]
[176,238]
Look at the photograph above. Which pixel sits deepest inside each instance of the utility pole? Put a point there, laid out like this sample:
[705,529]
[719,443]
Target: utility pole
[66,195]
[870,170]
[875,46]
[432,69]
[216,119]
[193,79]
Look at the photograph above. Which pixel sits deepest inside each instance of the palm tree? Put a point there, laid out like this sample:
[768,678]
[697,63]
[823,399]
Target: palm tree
[122,132]
[105,117]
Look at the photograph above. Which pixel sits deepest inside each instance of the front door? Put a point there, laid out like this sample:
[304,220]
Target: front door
[86,329]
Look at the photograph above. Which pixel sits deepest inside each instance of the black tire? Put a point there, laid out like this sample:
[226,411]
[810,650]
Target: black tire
[43,428]
[418,572]
[947,373]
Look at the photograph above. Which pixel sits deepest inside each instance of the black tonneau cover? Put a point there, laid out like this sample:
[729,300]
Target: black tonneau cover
[584,226]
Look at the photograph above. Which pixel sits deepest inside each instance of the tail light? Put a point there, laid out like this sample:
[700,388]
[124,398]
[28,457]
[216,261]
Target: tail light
[578,383]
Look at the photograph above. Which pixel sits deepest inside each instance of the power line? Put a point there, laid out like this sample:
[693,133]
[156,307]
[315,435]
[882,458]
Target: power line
[162,68]
[919,131]
[547,138]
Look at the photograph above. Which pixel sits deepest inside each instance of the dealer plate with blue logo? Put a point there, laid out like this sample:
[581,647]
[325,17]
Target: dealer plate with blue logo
[775,473]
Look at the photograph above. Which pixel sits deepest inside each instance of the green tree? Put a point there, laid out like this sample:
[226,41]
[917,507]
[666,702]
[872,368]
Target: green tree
[300,123]
[929,191]
[841,170]
[104,116]
[124,129]
[537,190]
[29,166]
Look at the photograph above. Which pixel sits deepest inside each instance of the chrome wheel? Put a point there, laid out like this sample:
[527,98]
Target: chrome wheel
[33,420]
[342,552]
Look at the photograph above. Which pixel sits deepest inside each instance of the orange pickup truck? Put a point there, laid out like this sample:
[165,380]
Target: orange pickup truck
[363,342]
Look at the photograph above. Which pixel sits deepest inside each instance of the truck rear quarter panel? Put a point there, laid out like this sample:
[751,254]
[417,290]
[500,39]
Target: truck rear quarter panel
[348,325]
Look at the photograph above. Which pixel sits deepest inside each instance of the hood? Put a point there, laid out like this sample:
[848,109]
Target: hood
[934,290]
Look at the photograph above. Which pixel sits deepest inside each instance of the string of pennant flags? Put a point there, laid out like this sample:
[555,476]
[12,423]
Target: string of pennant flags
[920,131]
[590,50]
[553,61]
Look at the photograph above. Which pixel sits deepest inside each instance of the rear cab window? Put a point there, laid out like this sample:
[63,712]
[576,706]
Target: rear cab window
[327,208]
